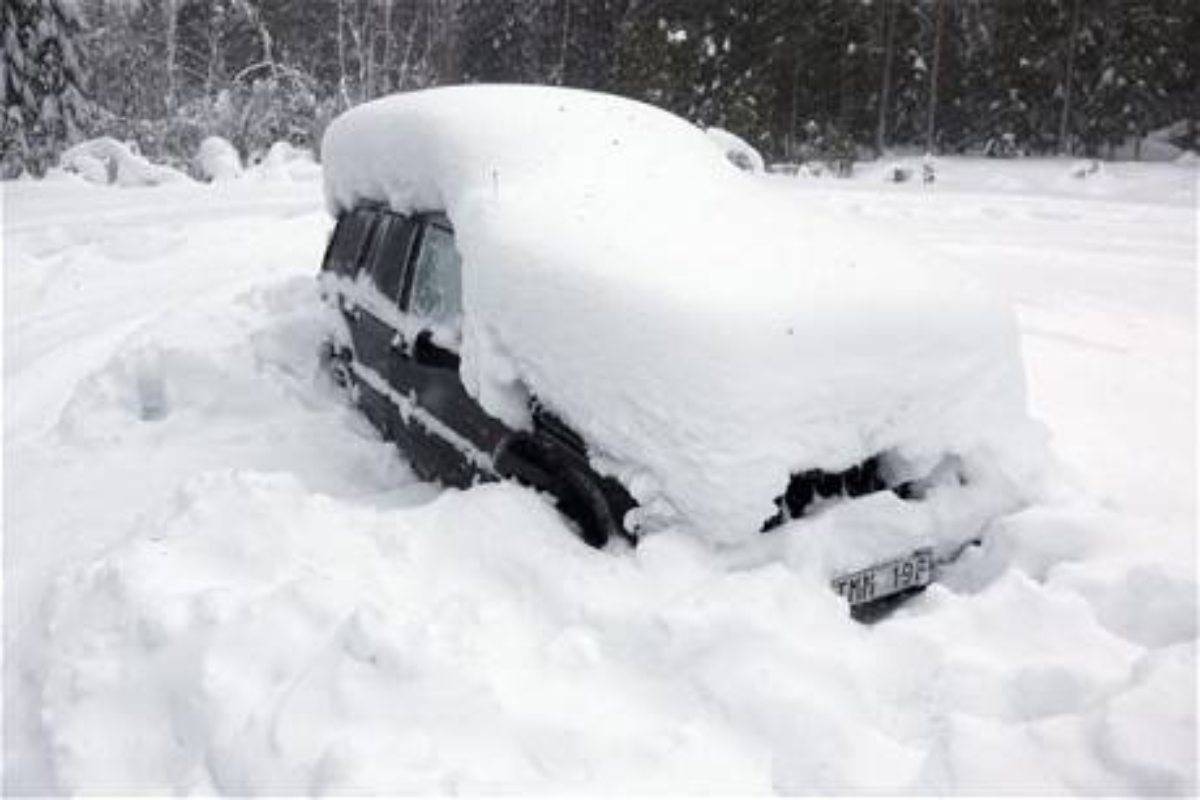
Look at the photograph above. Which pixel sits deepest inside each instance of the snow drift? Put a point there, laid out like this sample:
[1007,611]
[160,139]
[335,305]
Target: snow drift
[218,579]
[105,160]
[707,338]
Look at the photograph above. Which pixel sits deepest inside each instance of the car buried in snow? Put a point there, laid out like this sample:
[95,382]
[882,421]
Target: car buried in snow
[579,293]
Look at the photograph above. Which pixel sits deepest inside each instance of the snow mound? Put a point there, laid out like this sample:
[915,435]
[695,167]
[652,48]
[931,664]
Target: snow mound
[254,637]
[218,160]
[707,337]
[286,162]
[739,152]
[105,160]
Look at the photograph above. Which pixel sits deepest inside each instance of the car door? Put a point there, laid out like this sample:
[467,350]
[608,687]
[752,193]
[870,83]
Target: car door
[374,318]
[452,436]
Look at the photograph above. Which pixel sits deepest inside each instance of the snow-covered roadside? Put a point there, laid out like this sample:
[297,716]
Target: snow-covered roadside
[217,579]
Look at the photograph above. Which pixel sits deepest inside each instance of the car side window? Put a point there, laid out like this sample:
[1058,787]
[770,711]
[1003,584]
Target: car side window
[349,240]
[436,293]
[389,253]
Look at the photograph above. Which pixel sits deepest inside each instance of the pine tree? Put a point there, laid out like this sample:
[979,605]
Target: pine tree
[506,41]
[43,103]
[798,78]
[887,38]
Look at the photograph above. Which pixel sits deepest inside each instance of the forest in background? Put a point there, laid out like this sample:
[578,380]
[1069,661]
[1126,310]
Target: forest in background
[799,79]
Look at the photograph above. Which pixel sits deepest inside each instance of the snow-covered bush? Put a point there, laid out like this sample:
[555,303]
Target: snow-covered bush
[105,160]
[928,169]
[260,110]
[1086,169]
[285,162]
[91,169]
[250,115]
[737,150]
[828,145]
[810,169]
[897,173]
[1002,146]
[218,160]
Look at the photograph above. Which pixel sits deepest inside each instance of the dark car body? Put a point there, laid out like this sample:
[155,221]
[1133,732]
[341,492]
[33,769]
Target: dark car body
[395,281]
[738,359]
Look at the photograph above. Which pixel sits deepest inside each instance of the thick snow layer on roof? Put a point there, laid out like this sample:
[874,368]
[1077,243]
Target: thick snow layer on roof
[706,336]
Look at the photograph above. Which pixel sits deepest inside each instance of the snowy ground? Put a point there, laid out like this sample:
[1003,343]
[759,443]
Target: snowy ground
[216,578]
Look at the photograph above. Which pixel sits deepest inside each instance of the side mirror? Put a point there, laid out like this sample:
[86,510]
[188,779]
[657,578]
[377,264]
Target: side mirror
[428,354]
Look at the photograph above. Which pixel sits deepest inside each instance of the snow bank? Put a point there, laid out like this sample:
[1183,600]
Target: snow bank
[105,160]
[1032,178]
[707,337]
[218,160]
[737,150]
[257,638]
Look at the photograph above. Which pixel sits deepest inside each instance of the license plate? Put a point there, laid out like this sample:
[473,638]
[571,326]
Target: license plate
[888,578]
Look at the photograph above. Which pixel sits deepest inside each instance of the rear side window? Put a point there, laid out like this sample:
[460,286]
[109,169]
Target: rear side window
[349,240]
[389,253]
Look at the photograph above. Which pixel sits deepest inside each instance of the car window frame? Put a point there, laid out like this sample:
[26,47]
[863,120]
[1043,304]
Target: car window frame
[425,220]
[364,246]
[384,218]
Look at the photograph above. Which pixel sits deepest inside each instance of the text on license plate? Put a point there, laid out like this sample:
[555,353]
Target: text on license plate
[888,578]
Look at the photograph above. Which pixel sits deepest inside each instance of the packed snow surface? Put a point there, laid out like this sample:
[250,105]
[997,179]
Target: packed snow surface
[707,335]
[218,579]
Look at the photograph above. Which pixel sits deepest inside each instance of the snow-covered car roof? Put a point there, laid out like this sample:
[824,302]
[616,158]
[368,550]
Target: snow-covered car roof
[705,334]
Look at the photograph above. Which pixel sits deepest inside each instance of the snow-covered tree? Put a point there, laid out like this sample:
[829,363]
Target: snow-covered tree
[800,79]
[42,76]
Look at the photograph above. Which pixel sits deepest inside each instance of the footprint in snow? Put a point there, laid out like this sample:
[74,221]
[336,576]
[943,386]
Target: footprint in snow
[151,388]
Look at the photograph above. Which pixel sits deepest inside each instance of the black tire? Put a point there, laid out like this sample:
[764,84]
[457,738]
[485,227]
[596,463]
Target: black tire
[580,499]
[577,493]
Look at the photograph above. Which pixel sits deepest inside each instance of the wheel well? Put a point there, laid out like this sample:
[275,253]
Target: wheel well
[541,462]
